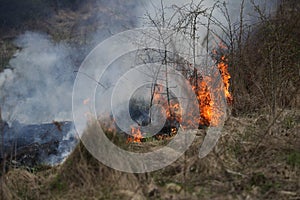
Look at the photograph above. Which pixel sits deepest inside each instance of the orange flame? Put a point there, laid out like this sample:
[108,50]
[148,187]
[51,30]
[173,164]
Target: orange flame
[223,68]
[205,101]
[209,114]
[172,111]
[136,135]
[205,104]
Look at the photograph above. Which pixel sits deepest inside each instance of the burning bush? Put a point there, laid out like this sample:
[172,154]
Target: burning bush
[140,109]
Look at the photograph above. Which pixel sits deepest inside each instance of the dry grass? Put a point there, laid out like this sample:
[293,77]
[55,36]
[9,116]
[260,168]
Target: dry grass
[256,157]
[243,165]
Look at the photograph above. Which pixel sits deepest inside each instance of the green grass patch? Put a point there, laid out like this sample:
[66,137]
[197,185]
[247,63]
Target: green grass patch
[293,159]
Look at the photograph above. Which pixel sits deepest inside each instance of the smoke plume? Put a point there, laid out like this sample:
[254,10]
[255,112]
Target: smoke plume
[38,86]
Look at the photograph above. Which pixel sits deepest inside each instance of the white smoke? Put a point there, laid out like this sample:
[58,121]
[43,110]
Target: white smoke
[154,8]
[38,88]
[173,10]
[5,75]
[65,148]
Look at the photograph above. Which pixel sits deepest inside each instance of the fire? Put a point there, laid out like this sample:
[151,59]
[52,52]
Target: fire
[209,113]
[172,111]
[223,68]
[205,103]
[173,131]
[172,108]
[136,134]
